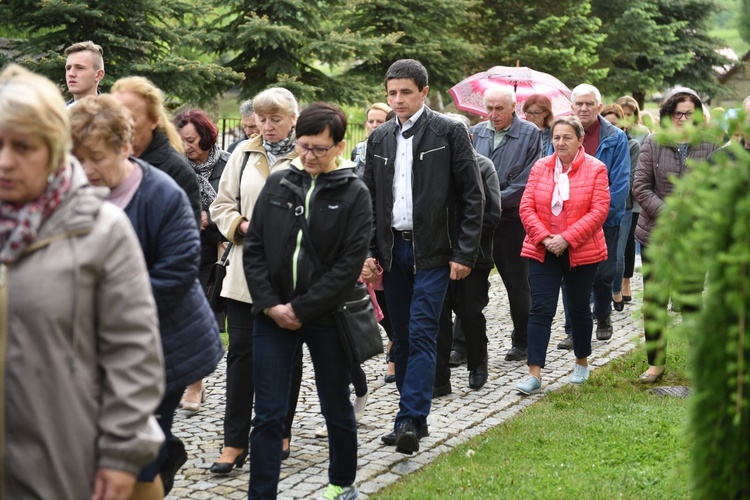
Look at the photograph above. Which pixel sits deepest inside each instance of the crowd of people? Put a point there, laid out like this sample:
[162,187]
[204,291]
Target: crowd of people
[121,212]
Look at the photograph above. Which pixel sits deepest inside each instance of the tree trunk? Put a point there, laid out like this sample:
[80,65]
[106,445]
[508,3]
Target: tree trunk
[640,97]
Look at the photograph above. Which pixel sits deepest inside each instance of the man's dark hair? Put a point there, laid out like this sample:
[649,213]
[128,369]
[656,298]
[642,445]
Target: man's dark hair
[407,68]
[318,117]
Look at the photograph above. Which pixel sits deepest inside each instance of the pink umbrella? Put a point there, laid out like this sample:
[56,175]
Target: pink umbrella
[469,93]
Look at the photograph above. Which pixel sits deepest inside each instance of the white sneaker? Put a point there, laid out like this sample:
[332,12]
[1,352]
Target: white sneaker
[359,406]
[321,432]
[580,374]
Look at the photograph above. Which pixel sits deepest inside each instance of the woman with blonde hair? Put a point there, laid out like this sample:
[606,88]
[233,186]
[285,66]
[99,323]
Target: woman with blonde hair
[155,139]
[244,176]
[158,209]
[81,359]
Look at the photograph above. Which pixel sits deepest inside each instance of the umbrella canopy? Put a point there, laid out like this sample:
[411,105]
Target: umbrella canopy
[469,93]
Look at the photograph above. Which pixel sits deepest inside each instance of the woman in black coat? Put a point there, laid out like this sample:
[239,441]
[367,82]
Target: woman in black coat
[294,303]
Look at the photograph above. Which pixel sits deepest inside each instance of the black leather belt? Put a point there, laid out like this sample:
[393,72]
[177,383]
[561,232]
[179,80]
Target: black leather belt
[404,235]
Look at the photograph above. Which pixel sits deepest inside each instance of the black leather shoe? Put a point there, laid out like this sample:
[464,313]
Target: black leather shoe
[390,439]
[478,376]
[516,354]
[389,379]
[567,343]
[407,441]
[619,306]
[457,358]
[604,329]
[441,390]
[226,467]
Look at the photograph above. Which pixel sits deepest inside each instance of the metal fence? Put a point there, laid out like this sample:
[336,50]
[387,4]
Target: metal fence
[230,129]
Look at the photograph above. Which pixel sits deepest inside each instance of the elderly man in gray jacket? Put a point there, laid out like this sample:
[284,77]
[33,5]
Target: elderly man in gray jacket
[513,145]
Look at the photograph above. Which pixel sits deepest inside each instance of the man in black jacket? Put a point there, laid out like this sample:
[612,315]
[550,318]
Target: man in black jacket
[468,297]
[427,208]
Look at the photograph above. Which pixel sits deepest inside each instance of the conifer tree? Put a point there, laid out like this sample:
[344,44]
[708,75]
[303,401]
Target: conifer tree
[139,37]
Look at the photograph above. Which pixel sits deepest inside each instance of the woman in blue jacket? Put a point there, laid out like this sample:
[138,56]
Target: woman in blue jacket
[160,213]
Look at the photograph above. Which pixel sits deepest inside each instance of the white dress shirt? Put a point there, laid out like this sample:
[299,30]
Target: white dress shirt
[402,176]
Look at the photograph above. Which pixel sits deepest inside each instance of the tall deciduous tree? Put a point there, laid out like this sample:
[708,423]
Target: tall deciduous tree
[139,37]
[559,37]
[297,44]
[432,32]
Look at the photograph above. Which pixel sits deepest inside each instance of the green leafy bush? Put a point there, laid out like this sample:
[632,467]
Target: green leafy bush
[700,253]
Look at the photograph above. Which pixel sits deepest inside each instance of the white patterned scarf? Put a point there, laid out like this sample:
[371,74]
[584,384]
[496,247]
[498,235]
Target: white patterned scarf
[561,192]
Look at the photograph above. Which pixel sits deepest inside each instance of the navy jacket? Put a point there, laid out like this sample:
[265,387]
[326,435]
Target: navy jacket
[166,228]
[163,156]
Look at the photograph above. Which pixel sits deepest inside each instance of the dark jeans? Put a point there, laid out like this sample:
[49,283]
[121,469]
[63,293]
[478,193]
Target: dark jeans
[622,242]
[238,411]
[602,289]
[630,248]
[275,353]
[414,303]
[605,275]
[546,278]
[514,271]
[467,297]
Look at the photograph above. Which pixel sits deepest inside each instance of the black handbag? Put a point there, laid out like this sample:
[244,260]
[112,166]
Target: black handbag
[356,325]
[215,282]
[219,269]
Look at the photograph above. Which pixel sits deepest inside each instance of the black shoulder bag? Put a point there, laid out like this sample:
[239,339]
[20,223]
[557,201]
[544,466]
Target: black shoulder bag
[219,269]
[355,318]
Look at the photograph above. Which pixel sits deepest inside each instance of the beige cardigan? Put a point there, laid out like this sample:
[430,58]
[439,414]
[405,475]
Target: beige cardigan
[228,211]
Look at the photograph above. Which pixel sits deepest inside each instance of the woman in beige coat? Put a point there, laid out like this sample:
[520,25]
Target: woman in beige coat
[244,176]
[81,360]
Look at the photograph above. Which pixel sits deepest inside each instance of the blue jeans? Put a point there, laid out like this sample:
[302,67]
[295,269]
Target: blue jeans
[275,352]
[415,301]
[546,278]
[622,241]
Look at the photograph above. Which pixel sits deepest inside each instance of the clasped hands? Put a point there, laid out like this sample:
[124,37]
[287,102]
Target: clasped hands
[371,270]
[555,244]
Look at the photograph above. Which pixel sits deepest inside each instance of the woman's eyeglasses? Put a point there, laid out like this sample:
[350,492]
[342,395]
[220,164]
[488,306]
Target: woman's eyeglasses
[317,151]
[679,115]
[534,113]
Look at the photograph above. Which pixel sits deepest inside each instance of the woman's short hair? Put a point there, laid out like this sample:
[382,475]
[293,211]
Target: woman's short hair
[31,104]
[571,121]
[630,102]
[380,106]
[154,98]
[318,117]
[543,102]
[276,100]
[101,117]
[207,130]
[675,97]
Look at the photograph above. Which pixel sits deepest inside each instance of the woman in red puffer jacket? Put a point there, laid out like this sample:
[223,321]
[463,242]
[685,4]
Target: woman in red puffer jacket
[563,209]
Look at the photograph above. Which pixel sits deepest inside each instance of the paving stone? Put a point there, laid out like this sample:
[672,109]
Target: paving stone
[454,419]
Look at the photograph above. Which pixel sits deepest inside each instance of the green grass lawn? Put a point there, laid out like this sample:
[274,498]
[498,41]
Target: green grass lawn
[606,439]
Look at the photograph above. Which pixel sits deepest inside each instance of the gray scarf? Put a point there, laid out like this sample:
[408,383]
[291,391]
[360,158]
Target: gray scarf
[203,172]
